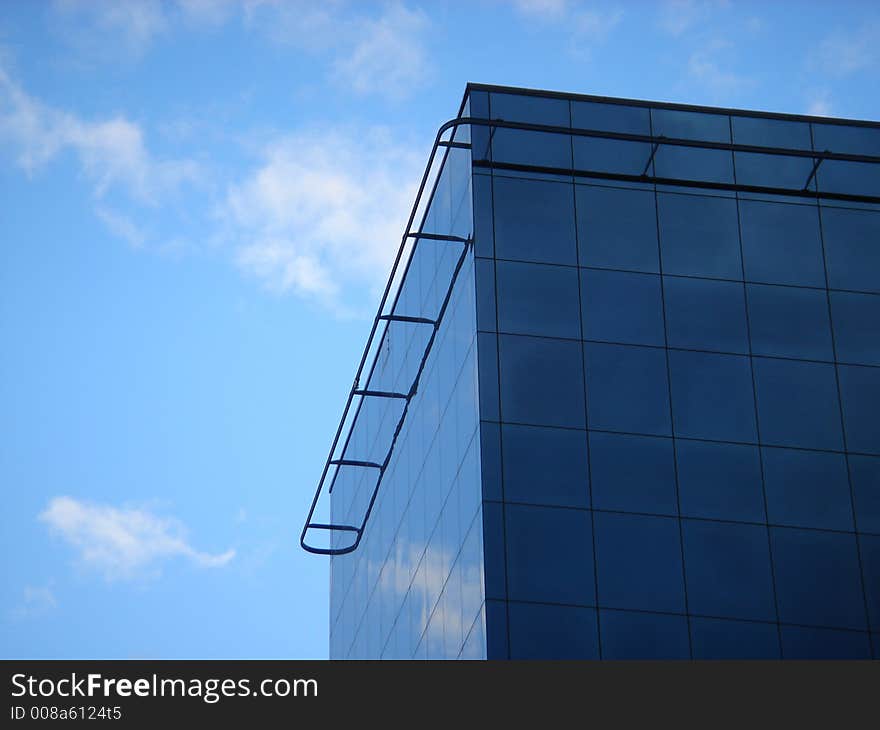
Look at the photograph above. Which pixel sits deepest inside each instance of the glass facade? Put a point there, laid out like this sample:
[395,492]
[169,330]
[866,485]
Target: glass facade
[664,369]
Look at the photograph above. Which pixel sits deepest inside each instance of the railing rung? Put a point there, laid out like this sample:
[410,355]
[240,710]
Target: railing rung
[356,462]
[381,394]
[322,526]
[438,237]
[406,318]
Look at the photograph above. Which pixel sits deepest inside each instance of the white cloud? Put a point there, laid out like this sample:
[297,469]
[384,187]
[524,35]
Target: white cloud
[387,56]
[678,17]
[123,542]
[584,24]
[111,152]
[819,104]
[542,9]
[121,226]
[35,601]
[843,53]
[705,67]
[323,213]
[132,25]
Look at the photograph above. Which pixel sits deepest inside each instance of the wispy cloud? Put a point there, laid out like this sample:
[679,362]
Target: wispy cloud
[35,601]
[109,27]
[845,52]
[111,152]
[678,17]
[388,56]
[123,542]
[706,66]
[323,212]
[584,24]
[819,103]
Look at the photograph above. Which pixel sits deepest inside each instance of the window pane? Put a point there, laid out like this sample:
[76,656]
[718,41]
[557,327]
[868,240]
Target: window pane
[851,248]
[534,221]
[484,273]
[487,359]
[699,236]
[844,138]
[542,381]
[870,554]
[727,568]
[635,635]
[723,639]
[776,171]
[493,550]
[712,396]
[797,404]
[789,321]
[527,147]
[490,457]
[538,300]
[622,307]
[817,578]
[596,154]
[484,235]
[860,390]
[610,117]
[781,243]
[865,474]
[552,632]
[771,132]
[849,178]
[617,228]
[856,327]
[496,630]
[800,642]
[537,540]
[691,163]
[691,125]
[627,389]
[705,315]
[721,481]
[807,489]
[632,473]
[545,466]
[639,562]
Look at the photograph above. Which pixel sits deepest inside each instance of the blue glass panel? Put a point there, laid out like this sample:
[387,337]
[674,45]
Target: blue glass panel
[852,140]
[484,233]
[781,243]
[800,642]
[817,578]
[774,171]
[856,327]
[635,635]
[478,107]
[632,473]
[529,147]
[538,300]
[712,396]
[617,228]
[851,248]
[797,404]
[721,481]
[699,236]
[496,630]
[807,489]
[542,381]
[691,125]
[484,272]
[639,562]
[865,475]
[869,547]
[860,391]
[725,639]
[493,550]
[545,466]
[727,569]
[788,321]
[552,632]
[627,389]
[490,456]
[591,153]
[534,221]
[703,314]
[487,358]
[549,555]
[692,164]
[771,132]
[622,307]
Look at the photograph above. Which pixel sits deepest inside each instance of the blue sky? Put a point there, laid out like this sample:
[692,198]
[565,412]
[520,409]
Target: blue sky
[200,201]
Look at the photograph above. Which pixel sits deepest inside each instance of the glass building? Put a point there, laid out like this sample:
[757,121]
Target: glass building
[622,397]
